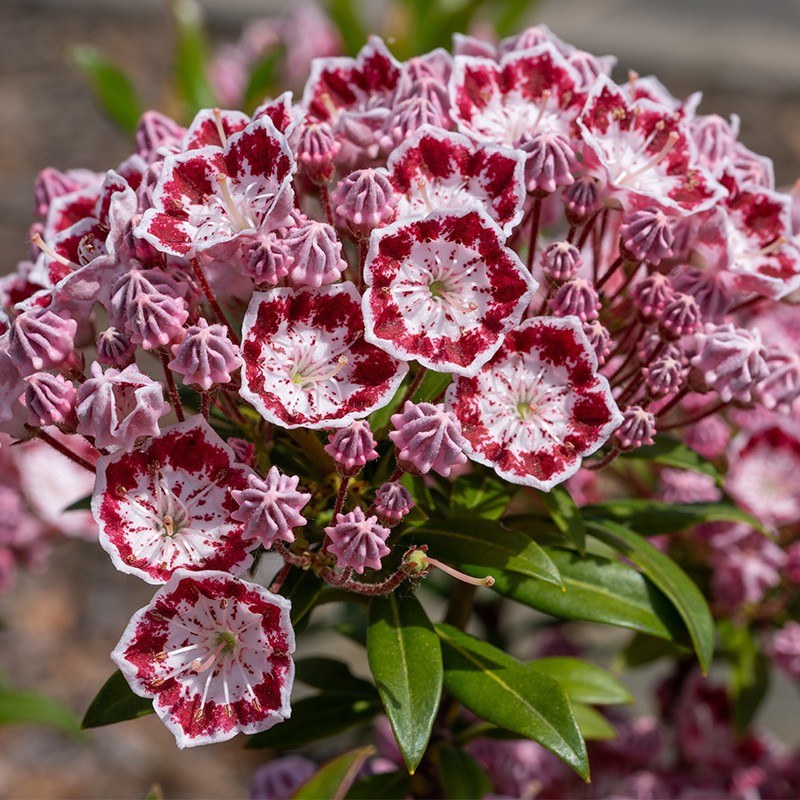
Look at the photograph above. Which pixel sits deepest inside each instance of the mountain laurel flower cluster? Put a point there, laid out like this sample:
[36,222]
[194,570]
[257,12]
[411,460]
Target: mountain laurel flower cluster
[399,322]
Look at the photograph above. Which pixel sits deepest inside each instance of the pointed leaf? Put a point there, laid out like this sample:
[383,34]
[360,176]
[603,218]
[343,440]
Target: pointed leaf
[461,776]
[115,702]
[593,725]
[315,718]
[670,579]
[514,696]
[331,676]
[384,786]
[748,679]
[583,682]
[191,56]
[479,546]
[672,453]
[344,14]
[597,590]
[566,515]
[29,708]
[302,587]
[406,661]
[333,779]
[480,494]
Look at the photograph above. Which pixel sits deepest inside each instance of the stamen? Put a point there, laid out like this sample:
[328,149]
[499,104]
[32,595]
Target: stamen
[169,525]
[767,250]
[302,380]
[672,140]
[45,248]
[423,190]
[220,130]
[545,98]
[201,666]
[234,213]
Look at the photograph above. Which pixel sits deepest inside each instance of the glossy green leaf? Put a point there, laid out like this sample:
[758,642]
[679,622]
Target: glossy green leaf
[479,494]
[115,702]
[315,718]
[332,780]
[592,724]
[461,776]
[84,504]
[669,578]
[18,707]
[384,786]
[112,87]
[652,518]
[302,587]
[597,590]
[514,696]
[643,650]
[566,515]
[673,453]
[405,658]
[583,682]
[431,387]
[331,676]
[481,546]
[191,55]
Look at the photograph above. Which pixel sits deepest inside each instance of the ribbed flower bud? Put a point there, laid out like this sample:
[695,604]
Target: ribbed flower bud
[406,118]
[707,288]
[599,338]
[637,429]
[115,348]
[316,153]
[392,502]
[266,261]
[651,294]
[730,361]
[664,376]
[428,438]
[156,130]
[50,400]
[780,387]
[363,201]
[581,199]
[680,316]
[51,183]
[560,261]
[315,254]
[357,541]
[40,339]
[352,447]
[271,507]
[646,235]
[206,356]
[549,160]
[147,308]
[714,137]
[576,297]
[244,451]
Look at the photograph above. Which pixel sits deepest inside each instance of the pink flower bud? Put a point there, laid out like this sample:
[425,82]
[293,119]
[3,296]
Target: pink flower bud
[428,437]
[637,429]
[50,400]
[270,508]
[680,316]
[114,348]
[244,451]
[363,201]
[266,261]
[664,376]
[560,261]
[577,297]
[316,152]
[581,199]
[646,235]
[651,294]
[352,447]
[549,162]
[599,338]
[392,502]
[40,339]
[780,387]
[358,541]
[408,117]
[316,254]
[156,130]
[206,356]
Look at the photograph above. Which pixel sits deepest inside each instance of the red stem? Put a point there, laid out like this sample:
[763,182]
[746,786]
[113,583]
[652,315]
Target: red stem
[215,306]
[63,449]
[535,219]
[171,388]
[696,417]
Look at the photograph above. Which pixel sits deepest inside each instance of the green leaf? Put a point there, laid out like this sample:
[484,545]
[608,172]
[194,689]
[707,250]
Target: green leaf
[643,649]
[432,386]
[315,718]
[596,590]
[583,682]
[477,546]
[262,79]
[652,518]
[461,776]
[19,707]
[331,676]
[345,16]
[672,453]
[479,494]
[115,702]
[84,504]
[302,587]
[748,679]
[566,515]
[191,56]
[385,786]
[593,725]
[333,779]
[514,696]
[511,14]
[406,661]
[112,87]
[669,578]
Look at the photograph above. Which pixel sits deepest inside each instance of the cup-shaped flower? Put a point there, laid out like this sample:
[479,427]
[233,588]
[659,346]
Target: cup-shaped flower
[169,505]
[538,406]
[306,362]
[213,653]
[443,289]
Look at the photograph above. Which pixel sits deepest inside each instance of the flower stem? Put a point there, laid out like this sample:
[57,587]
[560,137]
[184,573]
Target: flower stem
[174,397]
[56,445]
[535,220]
[212,301]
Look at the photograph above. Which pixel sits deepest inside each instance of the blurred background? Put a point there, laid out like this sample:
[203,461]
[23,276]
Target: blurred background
[58,626]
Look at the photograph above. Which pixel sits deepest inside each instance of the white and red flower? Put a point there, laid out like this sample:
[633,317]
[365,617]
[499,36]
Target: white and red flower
[169,505]
[306,361]
[538,407]
[443,290]
[214,654]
